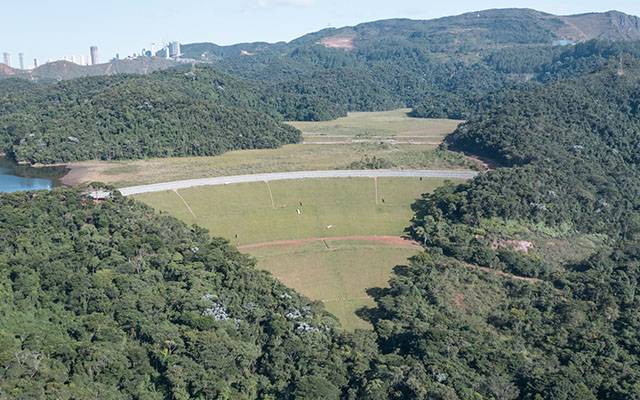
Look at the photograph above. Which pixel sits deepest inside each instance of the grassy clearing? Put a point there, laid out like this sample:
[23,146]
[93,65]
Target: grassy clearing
[348,205]
[296,157]
[557,245]
[338,275]
[365,125]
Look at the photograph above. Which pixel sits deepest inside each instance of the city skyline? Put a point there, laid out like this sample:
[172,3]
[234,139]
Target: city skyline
[170,50]
[121,27]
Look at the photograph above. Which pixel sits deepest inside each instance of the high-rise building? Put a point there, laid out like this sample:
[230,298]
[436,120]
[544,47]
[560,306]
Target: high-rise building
[81,60]
[94,55]
[35,63]
[21,58]
[166,52]
[153,49]
[174,49]
[7,59]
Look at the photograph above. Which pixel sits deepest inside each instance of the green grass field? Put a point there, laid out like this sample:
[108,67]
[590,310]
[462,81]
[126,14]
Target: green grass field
[348,205]
[364,125]
[337,273]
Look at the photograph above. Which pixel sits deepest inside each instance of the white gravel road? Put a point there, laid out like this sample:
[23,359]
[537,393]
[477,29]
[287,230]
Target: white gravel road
[224,180]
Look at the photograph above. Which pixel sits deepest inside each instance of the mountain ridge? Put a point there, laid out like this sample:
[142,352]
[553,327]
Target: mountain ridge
[464,34]
[609,25]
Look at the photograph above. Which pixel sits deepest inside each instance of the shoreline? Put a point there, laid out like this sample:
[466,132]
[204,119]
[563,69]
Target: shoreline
[73,175]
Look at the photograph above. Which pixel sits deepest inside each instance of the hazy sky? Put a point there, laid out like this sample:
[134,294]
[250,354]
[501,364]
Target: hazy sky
[55,28]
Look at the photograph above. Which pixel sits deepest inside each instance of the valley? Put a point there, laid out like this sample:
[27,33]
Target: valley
[399,209]
[273,210]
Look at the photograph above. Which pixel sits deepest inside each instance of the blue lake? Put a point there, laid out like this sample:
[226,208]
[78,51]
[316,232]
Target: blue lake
[15,177]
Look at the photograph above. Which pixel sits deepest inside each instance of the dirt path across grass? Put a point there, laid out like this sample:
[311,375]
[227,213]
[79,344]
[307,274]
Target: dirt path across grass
[394,240]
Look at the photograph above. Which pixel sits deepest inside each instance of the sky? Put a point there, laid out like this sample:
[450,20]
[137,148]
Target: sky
[51,29]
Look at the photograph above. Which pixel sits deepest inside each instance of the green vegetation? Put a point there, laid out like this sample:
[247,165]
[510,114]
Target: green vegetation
[574,153]
[386,124]
[113,300]
[179,112]
[347,205]
[530,65]
[337,272]
[11,85]
[466,333]
[298,157]
[571,192]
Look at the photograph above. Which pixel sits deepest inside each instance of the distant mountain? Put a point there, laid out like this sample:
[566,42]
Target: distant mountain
[474,30]
[63,70]
[612,25]
[210,51]
[455,36]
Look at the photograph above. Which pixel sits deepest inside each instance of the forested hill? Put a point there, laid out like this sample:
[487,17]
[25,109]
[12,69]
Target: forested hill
[441,68]
[460,33]
[178,112]
[14,85]
[565,212]
[572,148]
[114,301]
[447,67]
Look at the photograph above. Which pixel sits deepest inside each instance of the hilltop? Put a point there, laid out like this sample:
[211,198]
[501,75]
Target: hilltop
[470,31]
[457,37]
[193,111]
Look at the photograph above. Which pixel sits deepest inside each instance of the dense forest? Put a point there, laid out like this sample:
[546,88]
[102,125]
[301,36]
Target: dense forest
[570,191]
[573,151]
[111,300]
[179,112]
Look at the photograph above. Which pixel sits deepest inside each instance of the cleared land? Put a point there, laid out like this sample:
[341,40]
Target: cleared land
[338,272]
[330,207]
[380,130]
[378,125]
[296,157]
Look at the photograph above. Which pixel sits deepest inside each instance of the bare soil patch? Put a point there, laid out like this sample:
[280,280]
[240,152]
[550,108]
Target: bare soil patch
[338,42]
